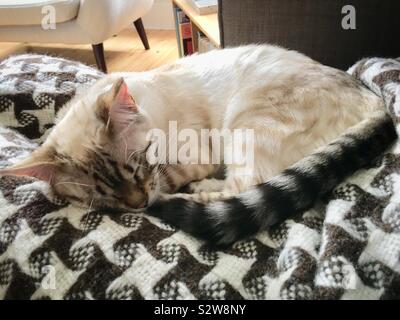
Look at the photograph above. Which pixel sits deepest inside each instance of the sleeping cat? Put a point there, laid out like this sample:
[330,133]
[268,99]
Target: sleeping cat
[96,155]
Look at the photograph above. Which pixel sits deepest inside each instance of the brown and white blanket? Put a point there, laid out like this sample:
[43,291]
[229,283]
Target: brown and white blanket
[347,247]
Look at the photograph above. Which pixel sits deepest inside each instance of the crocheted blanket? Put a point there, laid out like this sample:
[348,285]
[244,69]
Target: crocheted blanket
[345,248]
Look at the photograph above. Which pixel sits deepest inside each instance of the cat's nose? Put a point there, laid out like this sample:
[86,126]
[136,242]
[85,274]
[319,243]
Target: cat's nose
[144,203]
[136,198]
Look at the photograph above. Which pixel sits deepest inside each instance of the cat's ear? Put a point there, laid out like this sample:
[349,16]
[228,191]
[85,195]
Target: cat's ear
[117,106]
[33,166]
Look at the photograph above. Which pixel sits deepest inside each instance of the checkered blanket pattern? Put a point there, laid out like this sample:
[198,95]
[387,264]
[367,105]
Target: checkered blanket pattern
[347,247]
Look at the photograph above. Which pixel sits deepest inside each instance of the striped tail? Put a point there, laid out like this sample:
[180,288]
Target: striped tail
[294,191]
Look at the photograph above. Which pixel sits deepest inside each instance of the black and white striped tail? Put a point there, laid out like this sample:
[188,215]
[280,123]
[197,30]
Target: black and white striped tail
[294,191]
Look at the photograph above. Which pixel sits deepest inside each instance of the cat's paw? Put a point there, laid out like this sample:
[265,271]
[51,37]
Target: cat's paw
[206,185]
[201,197]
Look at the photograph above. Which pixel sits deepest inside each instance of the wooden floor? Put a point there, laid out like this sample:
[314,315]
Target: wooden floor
[124,52]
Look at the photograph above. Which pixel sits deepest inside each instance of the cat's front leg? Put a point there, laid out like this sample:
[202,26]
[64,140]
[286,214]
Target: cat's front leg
[210,190]
[206,185]
[174,177]
[201,197]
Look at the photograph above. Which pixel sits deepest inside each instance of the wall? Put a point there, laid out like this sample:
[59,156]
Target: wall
[160,16]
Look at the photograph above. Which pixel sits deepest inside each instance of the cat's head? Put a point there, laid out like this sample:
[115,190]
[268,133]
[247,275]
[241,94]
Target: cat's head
[96,154]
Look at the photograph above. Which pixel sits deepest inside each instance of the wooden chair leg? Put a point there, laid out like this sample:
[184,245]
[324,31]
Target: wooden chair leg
[142,33]
[98,51]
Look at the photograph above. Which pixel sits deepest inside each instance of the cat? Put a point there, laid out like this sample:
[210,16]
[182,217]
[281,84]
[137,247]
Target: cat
[312,126]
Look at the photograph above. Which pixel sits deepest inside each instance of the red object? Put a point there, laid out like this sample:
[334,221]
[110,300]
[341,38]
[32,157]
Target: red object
[186,30]
[189,46]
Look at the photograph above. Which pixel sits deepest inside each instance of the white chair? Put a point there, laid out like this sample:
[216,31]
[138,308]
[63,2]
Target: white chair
[75,21]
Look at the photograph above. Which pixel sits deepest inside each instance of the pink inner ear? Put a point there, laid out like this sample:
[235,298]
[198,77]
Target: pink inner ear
[124,98]
[43,172]
[123,109]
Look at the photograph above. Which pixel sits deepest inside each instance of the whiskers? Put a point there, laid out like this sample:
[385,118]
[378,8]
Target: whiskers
[133,153]
[75,183]
[162,169]
[91,186]
[87,215]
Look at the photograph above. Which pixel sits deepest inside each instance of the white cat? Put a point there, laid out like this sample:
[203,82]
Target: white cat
[96,153]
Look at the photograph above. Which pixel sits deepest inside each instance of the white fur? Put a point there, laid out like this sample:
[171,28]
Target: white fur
[293,104]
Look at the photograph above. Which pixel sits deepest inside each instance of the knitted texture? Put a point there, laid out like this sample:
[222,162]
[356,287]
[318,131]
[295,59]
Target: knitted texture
[347,247]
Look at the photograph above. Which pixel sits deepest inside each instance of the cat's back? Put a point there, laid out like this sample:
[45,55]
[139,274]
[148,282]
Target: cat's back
[253,69]
[244,58]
